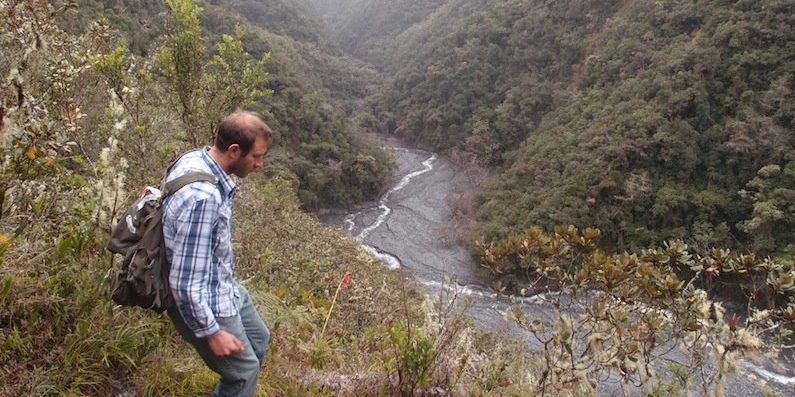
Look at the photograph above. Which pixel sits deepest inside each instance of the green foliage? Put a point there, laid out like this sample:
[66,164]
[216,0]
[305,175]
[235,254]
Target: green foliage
[414,355]
[78,112]
[232,79]
[56,338]
[142,21]
[771,192]
[182,60]
[113,66]
[287,90]
[73,109]
[498,65]
[569,256]
[309,108]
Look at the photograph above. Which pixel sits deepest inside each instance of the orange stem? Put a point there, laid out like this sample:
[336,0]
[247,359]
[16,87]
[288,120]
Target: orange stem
[328,316]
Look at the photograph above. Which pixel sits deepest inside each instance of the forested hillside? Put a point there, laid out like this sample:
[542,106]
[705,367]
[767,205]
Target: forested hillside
[649,120]
[371,30]
[311,113]
[388,34]
[305,93]
[289,18]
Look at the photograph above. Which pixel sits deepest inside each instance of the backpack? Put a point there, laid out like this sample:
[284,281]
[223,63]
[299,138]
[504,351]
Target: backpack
[138,237]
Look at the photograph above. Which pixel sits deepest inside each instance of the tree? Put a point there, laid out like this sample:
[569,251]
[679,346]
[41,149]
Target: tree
[772,192]
[232,79]
[207,90]
[181,61]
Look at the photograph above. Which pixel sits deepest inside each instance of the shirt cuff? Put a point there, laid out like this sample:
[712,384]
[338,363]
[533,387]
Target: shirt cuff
[205,332]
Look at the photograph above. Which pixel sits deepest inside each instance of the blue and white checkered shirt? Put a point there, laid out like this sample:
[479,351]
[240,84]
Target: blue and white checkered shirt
[197,232]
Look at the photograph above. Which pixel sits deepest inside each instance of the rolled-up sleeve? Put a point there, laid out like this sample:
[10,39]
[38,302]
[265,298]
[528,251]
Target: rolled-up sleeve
[192,265]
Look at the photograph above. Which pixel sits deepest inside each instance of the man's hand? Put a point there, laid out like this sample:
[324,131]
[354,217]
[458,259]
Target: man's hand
[223,343]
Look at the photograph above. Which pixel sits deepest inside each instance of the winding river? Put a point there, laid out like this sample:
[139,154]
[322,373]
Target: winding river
[409,228]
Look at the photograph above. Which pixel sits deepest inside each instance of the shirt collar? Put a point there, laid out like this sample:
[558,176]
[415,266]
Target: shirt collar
[225,182]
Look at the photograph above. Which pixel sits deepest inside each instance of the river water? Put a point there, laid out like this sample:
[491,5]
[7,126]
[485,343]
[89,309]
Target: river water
[409,228]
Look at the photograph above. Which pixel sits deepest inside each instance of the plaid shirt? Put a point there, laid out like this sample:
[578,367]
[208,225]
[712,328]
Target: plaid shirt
[197,232]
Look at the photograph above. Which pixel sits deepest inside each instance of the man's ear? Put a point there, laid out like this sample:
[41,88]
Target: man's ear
[234,150]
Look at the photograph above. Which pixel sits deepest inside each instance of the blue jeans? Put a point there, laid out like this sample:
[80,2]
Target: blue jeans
[238,371]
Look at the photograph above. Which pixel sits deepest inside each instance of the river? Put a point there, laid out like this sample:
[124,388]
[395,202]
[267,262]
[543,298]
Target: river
[409,228]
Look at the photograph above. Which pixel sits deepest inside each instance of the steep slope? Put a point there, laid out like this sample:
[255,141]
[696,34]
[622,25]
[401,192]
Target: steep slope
[84,120]
[67,129]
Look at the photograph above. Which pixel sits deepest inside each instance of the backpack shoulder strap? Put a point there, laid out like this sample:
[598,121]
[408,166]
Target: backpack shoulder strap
[171,187]
[191,177]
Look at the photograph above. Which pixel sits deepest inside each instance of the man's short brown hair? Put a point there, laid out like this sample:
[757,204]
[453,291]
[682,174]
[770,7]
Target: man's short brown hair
[242,128]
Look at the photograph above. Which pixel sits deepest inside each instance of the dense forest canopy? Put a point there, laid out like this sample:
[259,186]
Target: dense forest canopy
[649,120]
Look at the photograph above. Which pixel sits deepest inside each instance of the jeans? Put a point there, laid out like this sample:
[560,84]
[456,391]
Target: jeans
[238,371]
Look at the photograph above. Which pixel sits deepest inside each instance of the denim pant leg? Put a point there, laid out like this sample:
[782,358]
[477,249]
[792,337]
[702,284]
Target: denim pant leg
[238,371]
[256,330]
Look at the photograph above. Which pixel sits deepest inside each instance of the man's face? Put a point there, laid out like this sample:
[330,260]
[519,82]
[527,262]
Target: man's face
[254,159]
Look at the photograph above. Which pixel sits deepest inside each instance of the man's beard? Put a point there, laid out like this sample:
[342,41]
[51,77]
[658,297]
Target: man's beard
[239,168]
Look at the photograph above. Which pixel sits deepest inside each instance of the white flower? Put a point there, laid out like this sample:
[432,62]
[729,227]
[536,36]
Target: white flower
[104,156]
[119,125]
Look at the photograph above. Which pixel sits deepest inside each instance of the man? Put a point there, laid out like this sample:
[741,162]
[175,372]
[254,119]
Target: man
[213,312]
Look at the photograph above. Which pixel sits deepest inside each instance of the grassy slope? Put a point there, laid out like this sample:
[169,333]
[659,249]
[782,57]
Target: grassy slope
[292,265]
[59,332]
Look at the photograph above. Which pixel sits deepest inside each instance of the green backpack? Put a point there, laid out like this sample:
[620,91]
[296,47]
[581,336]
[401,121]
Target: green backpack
[138,237]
